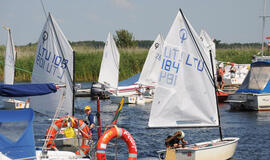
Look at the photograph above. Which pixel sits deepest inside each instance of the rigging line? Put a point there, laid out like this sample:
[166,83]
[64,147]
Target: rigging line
[198,49]
[45,13]
[70,79]
[208,71]
[18,68]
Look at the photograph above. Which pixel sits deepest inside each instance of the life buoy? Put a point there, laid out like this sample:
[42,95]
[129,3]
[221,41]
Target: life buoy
[113,133]
[76,123]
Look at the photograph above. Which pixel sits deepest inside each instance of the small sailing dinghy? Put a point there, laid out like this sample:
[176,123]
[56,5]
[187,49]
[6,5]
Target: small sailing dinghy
[148,78]
[9,70]
[185,94]
[209,44]
[109,70]
[19,143]
[54,63]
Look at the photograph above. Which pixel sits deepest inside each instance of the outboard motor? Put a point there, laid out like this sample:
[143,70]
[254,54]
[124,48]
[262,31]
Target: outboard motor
[98,90]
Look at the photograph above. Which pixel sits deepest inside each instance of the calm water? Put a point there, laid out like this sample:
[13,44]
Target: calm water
[253,128]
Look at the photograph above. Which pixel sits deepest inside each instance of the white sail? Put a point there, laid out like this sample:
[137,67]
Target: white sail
[10,57]
[185,95]
[209,45]
[109,69]
[53,63]
[150,72]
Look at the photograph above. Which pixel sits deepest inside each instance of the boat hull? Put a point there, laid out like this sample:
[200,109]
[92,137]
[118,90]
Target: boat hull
[246,101]
[14,104]
[59,155]
[51,155]
[222,96]
[86,92]
[211,150]
[131,99]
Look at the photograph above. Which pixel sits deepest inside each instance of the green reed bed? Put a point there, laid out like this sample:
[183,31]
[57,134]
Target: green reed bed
[88,60]
[239,55]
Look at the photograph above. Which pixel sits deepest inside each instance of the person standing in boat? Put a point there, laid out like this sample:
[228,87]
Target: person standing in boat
[90,118]
[174,141]
[232,70]
[220,77]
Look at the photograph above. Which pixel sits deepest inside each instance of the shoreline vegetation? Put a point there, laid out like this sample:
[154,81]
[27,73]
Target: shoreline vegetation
[88,59]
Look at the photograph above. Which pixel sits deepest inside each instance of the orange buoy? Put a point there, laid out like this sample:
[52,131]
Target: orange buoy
[116,132]
[76,123]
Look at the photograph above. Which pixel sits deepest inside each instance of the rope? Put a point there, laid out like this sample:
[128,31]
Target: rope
[1,62]
[60,104]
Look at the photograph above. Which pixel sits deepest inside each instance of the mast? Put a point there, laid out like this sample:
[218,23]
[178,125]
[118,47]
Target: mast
[212,77]
[70,80]
[209,73]
[263,25]
[73,88]
[216,90]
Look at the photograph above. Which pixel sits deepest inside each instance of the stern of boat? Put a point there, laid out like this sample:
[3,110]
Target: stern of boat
[211,150]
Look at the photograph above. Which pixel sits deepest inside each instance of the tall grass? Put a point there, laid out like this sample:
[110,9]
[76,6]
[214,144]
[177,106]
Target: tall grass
[88,60]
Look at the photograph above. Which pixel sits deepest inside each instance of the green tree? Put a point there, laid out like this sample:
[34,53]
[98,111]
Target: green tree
[124,39]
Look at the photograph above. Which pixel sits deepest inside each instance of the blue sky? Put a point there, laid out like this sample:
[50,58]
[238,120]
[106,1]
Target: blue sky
[226,20]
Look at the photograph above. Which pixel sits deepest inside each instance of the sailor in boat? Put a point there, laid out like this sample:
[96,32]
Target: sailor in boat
[174,141]
[90,118]
[232,70]
[147,92]
[140,91]
[220,77]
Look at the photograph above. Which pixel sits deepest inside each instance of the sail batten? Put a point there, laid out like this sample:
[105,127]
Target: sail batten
[185,95]
[109,69]
[54,64]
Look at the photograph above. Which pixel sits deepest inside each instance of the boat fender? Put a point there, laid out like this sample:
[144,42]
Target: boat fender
[76,123]
[116,132]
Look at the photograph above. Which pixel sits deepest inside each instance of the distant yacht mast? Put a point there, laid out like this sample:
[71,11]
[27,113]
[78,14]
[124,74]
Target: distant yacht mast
[263,25]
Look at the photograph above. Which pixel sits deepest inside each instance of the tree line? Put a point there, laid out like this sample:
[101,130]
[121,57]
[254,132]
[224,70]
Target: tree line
[126,39]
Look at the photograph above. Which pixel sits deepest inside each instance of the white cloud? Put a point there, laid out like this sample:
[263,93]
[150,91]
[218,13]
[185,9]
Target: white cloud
[122,4]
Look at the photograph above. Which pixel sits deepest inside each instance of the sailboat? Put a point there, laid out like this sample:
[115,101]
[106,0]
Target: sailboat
[109,70]
[209,44]
[9,70]
[254,93]
[150,73]
[185,96]
[54,63]
[148,78]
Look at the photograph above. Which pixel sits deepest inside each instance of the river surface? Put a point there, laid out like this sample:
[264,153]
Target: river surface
[253,129]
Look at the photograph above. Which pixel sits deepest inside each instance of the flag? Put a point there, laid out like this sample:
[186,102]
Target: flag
[117,112]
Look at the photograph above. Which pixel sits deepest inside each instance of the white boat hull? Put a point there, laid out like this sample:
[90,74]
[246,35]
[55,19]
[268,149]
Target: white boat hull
[211,150]
[245,101]
[14,104]
[131,99]
[58,155]
[51,155]
[86,92]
